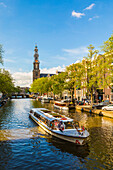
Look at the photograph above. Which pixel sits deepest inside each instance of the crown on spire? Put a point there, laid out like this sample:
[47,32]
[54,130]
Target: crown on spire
[35,45]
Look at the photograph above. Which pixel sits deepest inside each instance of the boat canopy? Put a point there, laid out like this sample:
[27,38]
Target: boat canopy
[47,115]
[43,115]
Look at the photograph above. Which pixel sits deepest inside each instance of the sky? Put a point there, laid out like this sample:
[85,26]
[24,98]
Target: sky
[62,30]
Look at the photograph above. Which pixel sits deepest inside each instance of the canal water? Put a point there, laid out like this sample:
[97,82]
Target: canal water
[24,145]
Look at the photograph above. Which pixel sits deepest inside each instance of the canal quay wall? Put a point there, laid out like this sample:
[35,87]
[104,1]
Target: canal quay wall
[95,111]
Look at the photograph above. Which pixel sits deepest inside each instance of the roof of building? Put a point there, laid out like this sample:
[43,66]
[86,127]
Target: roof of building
[46,75]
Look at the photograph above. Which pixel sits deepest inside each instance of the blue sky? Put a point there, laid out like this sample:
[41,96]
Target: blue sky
[62,30]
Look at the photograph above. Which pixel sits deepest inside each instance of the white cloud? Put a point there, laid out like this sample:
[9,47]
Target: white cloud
[90,19]
[77,51]
[9,60]
[90,7]
[78,61]
[24,79]
[52,70]
[20,69]
[2,4]
[77,14]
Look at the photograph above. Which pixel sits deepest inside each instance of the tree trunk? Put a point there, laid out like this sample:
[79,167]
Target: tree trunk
[91,99]
[72,96]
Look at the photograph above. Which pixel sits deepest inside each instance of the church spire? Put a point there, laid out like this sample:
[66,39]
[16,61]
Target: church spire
[36,71]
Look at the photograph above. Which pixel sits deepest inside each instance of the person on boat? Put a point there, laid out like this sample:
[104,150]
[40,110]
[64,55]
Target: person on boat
[52,124]
[61,126]
[56,124]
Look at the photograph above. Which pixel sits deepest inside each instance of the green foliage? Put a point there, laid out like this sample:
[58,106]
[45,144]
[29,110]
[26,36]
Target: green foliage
[41,85]
[94,72]
[108,45]
[84,74]
[106,64]
[18,89]
[53,84]
[105,70]
[6,82]
[91,72]
[27,90]
[58,83]
[75,74]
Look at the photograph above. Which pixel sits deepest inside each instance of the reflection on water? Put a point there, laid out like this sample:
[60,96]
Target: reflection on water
[25,145]
[13,134]
[79,151]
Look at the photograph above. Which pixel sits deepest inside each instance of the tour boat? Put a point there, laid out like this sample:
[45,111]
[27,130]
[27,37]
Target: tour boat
[63,105]
[59,125]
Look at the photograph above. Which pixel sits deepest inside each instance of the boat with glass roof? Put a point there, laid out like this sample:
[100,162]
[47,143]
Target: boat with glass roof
[59,125]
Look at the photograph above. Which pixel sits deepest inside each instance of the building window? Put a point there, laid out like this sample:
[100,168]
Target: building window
[36,74]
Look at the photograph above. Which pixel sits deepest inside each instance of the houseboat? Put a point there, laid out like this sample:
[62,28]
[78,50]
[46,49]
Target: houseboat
[62,105]
[59,126]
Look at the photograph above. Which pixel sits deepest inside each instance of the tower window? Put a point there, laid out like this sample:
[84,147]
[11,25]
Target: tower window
[36,74]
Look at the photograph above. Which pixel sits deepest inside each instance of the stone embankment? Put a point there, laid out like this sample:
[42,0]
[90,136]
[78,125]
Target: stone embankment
[87,108]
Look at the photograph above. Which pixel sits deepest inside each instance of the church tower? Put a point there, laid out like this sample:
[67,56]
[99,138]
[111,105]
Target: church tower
[36,71]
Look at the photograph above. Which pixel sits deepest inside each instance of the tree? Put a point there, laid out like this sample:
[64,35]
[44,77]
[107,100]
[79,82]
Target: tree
[90,70]
[18,89]
[6,82]
[108,45]
[58,83]
[106,66]
[75,73]
[41,85]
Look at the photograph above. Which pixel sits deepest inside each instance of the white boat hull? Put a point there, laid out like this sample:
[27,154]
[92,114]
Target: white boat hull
[61,107]
[45,100]
[77,140]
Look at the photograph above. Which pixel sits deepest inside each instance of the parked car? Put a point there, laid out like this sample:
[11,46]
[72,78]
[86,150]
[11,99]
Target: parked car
[100,105]
[108,107]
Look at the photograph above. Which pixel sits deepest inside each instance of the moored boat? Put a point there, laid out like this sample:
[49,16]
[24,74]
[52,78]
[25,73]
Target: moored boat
[59,126]
[62,105]
[45,100]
